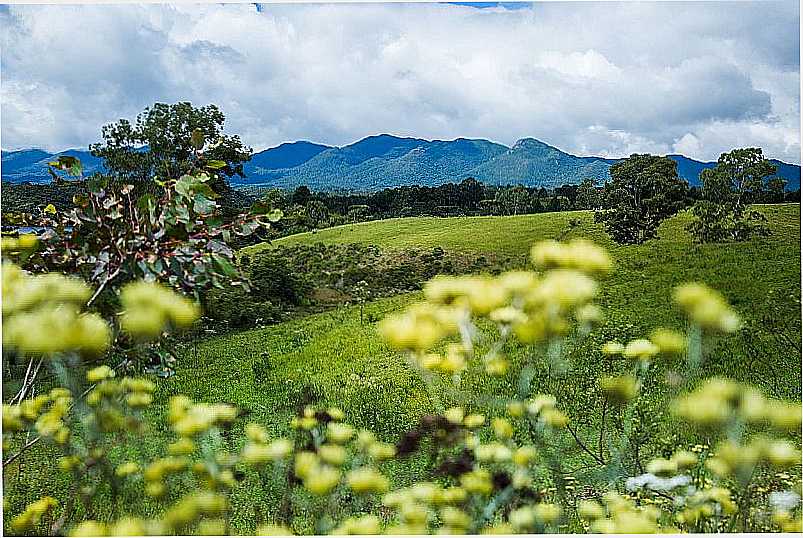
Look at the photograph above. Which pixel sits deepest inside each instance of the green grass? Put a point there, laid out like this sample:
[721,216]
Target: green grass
[333,359]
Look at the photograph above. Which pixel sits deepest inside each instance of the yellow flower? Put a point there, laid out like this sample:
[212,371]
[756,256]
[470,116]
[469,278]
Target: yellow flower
[367,480]
[613,348]
[641,349]
[619,389]
[332,454]
[322,480]
[590,510]
[502,428]
[89,528]
[707,307]
[338,432]
[99,374]
[668,341]
[554,418]
[547,513]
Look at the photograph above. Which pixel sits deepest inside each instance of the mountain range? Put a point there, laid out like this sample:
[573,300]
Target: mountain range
[382,161]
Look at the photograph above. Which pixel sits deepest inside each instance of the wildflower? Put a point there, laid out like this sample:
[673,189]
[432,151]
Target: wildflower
[455,518]
[508,315]
[540,403]
[502,428]
[684,459]
[149,308]
[256,433]
[668,341]
[126,469]
[496,364]
[784,416]
[33,514]
[641,349]
[590,510]
[547,513]
[338,432]
[523,518]
[563,289]
[332,454]
[99,374]
[477,481]
[322,480]
[613,348]
[128,526]
[524,455]
[706,307]
[367,479]
[473,421]
[381,451]
[418,328]
[364,525]
[619,389]
[492,452]
[89,528]
[782,454]
[454,415]
[554,418]
[305,464]
[577,254]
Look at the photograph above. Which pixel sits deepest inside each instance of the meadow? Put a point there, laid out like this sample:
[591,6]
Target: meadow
[334,358]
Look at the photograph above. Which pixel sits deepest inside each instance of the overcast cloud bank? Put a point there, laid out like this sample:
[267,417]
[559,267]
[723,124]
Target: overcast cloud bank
[603,79]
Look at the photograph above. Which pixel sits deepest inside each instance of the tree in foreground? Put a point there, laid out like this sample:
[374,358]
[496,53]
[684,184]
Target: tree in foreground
[644,191]
[741,177]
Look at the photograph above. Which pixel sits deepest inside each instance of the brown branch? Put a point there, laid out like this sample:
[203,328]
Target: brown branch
[585,448]
[25,447]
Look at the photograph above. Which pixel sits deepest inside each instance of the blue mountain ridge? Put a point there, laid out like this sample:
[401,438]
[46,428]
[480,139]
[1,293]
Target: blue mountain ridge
[382,161]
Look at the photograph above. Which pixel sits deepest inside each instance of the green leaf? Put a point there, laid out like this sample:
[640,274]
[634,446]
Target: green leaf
[197,139]
[216,165]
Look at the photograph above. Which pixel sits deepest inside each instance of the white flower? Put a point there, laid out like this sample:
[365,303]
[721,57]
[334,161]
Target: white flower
[784,500]
[650,481]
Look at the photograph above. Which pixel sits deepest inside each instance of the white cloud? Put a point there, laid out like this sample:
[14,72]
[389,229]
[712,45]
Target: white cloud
[591,78]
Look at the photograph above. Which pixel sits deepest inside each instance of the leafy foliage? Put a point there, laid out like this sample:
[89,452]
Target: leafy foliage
[644,191]
[741,177]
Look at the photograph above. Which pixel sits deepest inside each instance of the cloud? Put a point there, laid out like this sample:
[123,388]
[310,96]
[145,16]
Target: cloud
[591,78]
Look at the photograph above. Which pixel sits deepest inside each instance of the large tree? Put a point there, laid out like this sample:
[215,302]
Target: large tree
[741,177]
[164,140]
[644,191]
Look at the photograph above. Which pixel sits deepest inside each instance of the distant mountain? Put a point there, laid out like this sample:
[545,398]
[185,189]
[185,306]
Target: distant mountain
[31,164]
[531,162]
[381,161]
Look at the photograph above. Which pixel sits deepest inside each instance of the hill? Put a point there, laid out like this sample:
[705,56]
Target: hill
[381,161]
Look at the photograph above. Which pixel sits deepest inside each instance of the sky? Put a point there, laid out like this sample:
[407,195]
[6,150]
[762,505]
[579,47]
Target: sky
[592,78]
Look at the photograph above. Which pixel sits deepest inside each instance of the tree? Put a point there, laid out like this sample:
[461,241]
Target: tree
[741,177]
[644,191]
[163,142]
[301,195]
[587,196]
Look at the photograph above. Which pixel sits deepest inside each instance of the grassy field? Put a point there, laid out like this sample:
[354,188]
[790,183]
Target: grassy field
[334,359]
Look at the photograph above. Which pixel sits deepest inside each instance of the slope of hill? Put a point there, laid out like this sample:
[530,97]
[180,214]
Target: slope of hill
[381,161]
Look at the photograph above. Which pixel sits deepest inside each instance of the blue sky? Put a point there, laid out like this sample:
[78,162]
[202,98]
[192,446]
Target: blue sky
[593,78]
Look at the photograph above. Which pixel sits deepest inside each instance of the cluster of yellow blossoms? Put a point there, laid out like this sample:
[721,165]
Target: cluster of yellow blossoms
[44,414]
[42,315]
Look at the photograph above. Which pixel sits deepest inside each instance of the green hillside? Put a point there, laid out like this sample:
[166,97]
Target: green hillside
[334,359]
